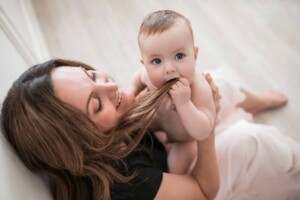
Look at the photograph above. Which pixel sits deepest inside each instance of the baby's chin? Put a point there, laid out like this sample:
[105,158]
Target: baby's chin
[163,83]
[160,85]
[157,86]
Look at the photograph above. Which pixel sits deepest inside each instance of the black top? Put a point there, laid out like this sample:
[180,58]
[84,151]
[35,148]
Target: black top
[150,161]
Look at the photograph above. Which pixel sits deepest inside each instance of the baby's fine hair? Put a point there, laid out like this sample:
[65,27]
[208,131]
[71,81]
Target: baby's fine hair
[159,21]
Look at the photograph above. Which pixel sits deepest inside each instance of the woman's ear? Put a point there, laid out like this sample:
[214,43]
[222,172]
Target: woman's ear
[141,60]
[196,52]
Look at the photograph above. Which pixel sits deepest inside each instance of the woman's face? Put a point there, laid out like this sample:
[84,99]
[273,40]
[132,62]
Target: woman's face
[92,93]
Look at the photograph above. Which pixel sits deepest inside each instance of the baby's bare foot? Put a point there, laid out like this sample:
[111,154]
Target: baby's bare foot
[267,101]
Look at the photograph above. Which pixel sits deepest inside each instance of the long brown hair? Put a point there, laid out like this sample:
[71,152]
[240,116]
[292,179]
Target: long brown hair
[53,138]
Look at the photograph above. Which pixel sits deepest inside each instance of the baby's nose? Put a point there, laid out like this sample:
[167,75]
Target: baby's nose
[169,68]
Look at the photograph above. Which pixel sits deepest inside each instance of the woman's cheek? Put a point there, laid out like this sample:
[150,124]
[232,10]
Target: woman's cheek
[106,120]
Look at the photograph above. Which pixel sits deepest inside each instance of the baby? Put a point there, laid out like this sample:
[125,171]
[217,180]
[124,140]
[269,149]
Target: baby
[167,48]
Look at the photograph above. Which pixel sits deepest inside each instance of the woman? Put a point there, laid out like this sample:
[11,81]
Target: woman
[69,122]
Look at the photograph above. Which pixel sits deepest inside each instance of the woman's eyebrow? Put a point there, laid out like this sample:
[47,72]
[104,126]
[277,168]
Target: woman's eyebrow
[84,70]
[90,96]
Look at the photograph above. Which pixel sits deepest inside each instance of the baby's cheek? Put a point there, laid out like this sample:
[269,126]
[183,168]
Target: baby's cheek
[190,75]
[157,80]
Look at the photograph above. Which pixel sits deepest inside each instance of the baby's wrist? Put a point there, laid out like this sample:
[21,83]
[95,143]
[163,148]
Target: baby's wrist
[184,106]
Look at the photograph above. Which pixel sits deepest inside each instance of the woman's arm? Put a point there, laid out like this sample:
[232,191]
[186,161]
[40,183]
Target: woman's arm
[203,183]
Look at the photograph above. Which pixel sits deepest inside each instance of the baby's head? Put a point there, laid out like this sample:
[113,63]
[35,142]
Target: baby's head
[167,47]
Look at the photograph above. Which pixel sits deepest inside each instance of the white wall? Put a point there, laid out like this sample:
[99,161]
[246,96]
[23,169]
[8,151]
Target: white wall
[21,45]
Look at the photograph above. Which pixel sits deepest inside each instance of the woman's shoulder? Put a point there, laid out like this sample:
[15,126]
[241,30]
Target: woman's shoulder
[144,185]
[148,163]
[150,153]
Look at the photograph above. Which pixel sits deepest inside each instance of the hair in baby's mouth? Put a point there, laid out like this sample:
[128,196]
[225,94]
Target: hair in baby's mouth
[142,111]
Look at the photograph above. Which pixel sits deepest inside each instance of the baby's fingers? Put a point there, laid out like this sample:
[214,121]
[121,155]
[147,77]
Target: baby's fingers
[184,81]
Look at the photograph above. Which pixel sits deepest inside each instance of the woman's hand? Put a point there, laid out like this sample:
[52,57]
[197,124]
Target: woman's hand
[215,91]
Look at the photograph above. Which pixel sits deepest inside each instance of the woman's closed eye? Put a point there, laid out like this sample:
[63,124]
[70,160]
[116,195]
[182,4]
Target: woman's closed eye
[179,56]
[156,61]
[94,76]
[99,107]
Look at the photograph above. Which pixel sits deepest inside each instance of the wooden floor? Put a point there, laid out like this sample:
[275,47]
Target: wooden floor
[258,40]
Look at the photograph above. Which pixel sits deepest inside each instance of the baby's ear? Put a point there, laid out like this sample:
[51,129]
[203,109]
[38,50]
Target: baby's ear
[196,52]
[141,60]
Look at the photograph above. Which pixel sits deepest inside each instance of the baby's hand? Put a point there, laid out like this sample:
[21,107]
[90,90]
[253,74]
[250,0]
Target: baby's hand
[180,92]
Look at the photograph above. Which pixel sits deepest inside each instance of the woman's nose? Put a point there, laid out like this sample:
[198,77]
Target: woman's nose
[111,89]
[103,78]
[110,86]
[106,86]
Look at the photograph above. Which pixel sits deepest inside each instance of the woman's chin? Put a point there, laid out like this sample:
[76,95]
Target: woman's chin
[130,98]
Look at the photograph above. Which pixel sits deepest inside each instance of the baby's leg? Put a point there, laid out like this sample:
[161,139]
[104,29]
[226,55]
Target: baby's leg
[254,103]
[162,137]
[181,157]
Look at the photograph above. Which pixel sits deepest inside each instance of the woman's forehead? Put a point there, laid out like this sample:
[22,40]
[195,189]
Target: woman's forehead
[71,85]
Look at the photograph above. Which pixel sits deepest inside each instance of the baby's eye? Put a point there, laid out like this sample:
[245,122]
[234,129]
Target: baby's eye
[156,61]
[179,56]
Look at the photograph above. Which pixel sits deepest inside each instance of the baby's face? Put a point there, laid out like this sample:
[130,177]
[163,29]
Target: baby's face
[170,54]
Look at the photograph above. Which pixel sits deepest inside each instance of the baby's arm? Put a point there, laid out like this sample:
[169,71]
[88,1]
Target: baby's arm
[181,156]
[138,82]
[196,119]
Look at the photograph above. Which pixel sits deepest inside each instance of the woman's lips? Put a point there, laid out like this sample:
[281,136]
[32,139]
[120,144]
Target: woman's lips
[120,99]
